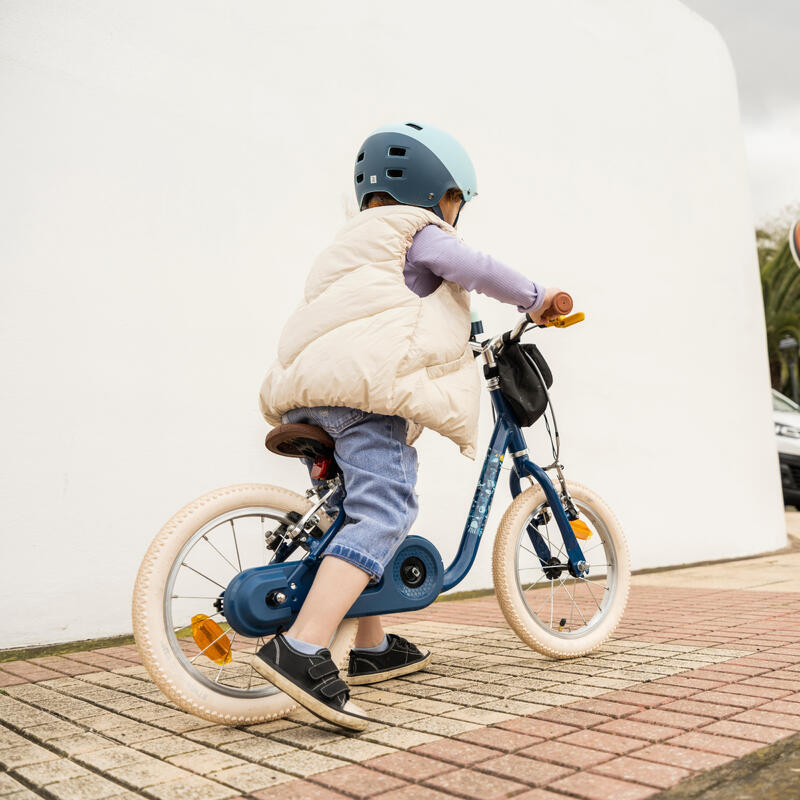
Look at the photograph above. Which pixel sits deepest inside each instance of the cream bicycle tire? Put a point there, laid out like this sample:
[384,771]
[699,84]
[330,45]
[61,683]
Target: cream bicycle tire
[511,595]
[150,629]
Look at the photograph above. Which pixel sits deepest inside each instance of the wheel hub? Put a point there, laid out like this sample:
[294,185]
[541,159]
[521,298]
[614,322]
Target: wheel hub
[553,568]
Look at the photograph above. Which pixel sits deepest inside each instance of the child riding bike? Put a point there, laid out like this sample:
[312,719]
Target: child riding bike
[376,351]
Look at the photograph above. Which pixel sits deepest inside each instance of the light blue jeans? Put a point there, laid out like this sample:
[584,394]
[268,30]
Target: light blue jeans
[379,471]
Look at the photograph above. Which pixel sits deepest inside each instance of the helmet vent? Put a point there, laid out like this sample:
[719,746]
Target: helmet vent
[360,156]
[394,173]
[414,126]
[360,177]
[397,151]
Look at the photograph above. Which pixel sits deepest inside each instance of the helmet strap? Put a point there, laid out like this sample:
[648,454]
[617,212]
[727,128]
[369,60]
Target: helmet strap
[458,213]
[437,209]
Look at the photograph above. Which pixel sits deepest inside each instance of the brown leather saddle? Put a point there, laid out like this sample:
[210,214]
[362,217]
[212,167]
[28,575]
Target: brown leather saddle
[298,440]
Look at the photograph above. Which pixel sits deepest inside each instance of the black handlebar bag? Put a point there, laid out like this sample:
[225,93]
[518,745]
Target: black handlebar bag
[519,368]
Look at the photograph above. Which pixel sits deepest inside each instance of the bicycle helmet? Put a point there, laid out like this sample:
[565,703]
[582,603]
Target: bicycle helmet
[415,164]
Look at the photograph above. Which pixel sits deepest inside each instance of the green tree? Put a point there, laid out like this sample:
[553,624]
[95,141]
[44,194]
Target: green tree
[780,286]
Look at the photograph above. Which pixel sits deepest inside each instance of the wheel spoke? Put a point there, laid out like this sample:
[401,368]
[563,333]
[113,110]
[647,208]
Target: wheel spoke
[194,597]
[222,665]
[236,545]
[588,586]
[221,554]
[576,606]
[202,575]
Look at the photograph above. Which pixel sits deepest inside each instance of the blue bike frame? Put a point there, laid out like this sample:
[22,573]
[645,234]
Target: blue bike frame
[507,437]
[244,598]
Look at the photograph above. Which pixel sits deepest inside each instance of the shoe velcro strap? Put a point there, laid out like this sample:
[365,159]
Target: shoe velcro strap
[333,688]
[322,670]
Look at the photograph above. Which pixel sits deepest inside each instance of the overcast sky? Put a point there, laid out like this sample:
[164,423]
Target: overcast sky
[764,39]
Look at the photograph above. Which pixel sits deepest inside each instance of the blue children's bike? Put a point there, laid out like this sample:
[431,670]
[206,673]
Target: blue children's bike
[233,567]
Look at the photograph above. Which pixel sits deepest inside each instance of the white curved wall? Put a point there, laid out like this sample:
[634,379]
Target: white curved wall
[169,171]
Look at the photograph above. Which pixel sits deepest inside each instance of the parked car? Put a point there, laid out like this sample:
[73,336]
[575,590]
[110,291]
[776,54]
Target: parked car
[786,416]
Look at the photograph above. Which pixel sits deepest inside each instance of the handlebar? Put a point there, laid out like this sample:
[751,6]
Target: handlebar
[554,316]
[559,305]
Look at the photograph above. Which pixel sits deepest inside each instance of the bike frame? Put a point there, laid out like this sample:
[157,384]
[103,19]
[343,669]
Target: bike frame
[507,437]
[285,584]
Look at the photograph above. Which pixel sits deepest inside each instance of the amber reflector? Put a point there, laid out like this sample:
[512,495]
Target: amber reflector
[580,529]
[211,639]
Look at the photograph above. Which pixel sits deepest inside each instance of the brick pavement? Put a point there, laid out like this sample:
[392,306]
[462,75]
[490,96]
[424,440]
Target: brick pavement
[692,679]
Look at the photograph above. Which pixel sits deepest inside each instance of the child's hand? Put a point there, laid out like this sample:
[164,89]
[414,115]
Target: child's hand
[546,311]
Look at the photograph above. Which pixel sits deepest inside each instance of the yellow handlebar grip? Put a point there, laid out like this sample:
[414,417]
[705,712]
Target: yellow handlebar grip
[565,322]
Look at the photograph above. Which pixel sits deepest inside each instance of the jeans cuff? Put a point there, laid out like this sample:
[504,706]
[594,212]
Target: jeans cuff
[358,559]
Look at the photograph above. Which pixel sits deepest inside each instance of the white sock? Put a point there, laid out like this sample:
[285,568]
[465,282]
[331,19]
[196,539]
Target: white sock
[379,648]
[302,647]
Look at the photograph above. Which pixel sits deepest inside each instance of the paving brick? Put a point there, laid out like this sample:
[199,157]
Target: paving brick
[669,718]
[141,774]
[639,730]
[570,755]
[781,707]
[722,745]
[9,738]
[573,717]
[499,738]
[475,785]
[204,761]
[249,777]
[401,738]
[256,748]
[166,746]
[697,708]
[192,788]
[298,790]
[24,754]
[45,772]
[607,708]
[637,770]
[353,749]
[303,763]
[79,743]
[7,679]
[729,699]
[86,787]
[29,671]
[305,736]
[409,765]
[544,729]
[759,716]
[523,769]
[441,726]
[607,742]
[636,698]
[744,730]
[414,792]
[600,787]
[111,757]
[686,758]
[455,751]
[358,781]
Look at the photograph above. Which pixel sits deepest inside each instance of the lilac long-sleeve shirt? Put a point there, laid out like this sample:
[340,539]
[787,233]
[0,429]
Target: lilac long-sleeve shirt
[435,256]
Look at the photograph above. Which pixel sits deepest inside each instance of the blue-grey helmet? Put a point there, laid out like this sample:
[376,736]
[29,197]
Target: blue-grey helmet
[415,164]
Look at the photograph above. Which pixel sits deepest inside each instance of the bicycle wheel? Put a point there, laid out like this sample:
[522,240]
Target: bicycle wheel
[550,610]
[176,604]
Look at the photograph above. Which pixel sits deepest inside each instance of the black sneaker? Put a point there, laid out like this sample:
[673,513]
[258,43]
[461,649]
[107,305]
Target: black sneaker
[399,658]
[311,680]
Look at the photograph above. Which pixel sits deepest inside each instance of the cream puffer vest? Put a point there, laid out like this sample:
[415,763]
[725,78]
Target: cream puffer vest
[362,338]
